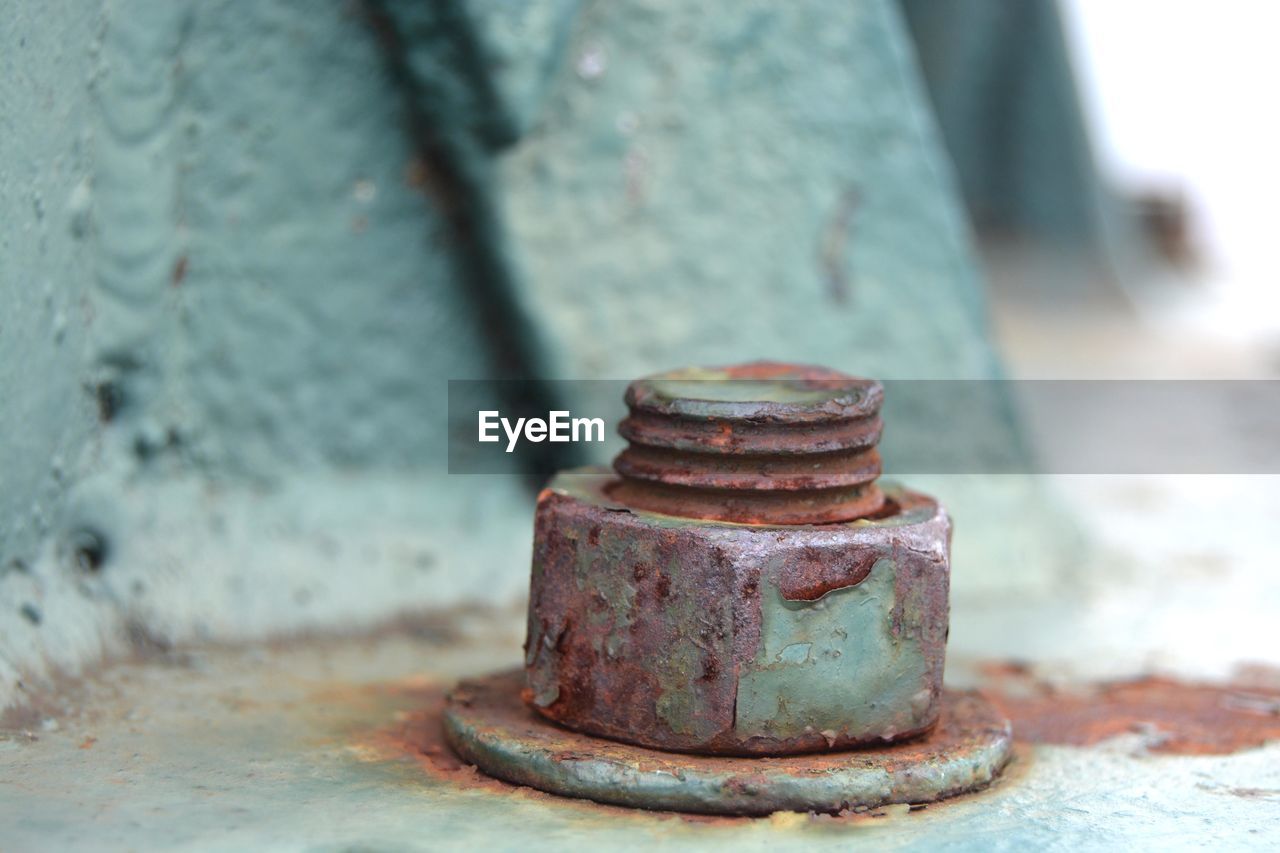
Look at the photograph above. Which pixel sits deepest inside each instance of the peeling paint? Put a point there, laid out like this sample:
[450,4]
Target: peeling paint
[697,635]
[853,675]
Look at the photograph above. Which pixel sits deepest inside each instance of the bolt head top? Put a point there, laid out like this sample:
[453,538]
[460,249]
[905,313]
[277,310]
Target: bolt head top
[758,391]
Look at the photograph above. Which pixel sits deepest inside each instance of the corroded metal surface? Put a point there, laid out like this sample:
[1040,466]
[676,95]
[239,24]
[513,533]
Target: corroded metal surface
[705,636]
[487,724]
[1175,717]
[761,443]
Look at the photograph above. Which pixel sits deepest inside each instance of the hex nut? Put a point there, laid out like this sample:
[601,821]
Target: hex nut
[736,639]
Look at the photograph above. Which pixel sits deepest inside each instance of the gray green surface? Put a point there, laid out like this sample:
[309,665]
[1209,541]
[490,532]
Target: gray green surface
[228,309]
[713,176]
[246,244]
[216,228]
[47,419]
[844,638]
[270,749]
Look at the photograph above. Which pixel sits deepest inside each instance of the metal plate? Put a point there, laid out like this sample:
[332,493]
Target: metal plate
[487,723]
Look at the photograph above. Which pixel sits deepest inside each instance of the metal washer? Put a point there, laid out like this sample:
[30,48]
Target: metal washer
[487,724]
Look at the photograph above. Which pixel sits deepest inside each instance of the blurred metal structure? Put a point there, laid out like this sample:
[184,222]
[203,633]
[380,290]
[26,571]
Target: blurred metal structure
[1001,81]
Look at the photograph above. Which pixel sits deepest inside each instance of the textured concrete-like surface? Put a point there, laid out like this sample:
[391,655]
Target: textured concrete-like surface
[50,397]
[744,171]
[329,746]
[229,305]
[47,419]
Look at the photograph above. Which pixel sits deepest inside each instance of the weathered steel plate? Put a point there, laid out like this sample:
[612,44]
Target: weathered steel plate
[488,724]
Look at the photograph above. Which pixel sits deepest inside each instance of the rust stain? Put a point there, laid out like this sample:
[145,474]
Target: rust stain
[819,572]
[403,722]
[1180,718]
[969,744]
[417,736]
[747,506]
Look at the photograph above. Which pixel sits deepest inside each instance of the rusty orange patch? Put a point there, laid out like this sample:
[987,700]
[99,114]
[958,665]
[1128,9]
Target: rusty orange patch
[418,735]
[1179,718]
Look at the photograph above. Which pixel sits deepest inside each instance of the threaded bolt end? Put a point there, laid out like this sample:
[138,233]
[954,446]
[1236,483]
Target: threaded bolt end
[762,443]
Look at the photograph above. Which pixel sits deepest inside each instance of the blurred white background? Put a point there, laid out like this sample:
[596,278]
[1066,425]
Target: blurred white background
[1181,100]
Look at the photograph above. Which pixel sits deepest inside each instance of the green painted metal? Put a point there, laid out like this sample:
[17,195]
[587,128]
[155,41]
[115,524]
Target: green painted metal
[47,420]
[824,663]
[232,286]
[192,193]
[229,305]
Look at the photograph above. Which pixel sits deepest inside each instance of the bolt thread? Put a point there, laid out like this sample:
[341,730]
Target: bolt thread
[759,443]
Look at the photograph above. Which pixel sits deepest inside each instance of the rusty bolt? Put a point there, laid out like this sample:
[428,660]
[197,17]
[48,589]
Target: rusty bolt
[740,584]
[783,445]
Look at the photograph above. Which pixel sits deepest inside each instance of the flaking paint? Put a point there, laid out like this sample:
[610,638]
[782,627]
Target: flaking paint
[704,635]
[850,650]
